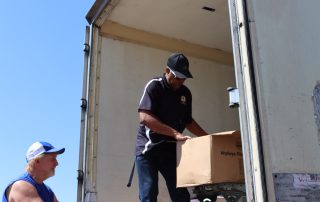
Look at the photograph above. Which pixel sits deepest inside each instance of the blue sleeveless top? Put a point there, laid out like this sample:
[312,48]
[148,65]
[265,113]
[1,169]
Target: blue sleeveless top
[44,191]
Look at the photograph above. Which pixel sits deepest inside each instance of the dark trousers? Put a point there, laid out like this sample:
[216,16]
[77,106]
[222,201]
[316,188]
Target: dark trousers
[148,166]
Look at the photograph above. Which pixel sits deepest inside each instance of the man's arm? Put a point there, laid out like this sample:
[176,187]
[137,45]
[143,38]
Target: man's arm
[196,129]
[22,191]
[55,199]
[148,119]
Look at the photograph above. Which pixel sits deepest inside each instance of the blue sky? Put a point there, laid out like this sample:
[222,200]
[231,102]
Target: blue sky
[41,68]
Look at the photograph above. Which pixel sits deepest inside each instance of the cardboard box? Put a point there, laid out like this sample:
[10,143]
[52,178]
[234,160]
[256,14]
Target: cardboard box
[210,159]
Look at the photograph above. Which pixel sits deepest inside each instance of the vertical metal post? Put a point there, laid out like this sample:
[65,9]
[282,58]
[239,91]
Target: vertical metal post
[83,127]
[249,116]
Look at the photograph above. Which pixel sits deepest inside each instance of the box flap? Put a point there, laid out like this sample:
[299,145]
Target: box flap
[230,132]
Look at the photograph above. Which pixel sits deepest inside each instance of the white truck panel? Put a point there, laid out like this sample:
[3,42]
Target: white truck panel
[286,51]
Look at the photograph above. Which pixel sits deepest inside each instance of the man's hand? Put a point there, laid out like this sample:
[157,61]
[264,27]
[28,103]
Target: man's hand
[148,119]
[179,137]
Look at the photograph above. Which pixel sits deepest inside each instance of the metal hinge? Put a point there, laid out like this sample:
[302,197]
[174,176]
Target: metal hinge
[233,97]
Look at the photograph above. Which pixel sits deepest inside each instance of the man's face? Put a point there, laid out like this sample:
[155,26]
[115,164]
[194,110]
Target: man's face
[48,163]
[174,82]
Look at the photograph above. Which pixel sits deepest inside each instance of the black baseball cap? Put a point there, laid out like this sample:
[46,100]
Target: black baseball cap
[179,65]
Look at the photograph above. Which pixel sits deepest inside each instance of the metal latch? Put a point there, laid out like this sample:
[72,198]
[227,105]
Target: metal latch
[233,97]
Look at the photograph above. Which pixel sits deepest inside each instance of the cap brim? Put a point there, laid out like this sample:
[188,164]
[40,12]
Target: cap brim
[58,151]
[180,75]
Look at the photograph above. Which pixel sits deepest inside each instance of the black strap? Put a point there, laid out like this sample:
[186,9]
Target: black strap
[131,174]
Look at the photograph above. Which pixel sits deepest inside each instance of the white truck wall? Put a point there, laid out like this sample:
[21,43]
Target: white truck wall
[125,69]
[286,54]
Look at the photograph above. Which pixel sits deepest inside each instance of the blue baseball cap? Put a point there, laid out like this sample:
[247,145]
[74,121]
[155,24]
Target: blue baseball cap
[39,148]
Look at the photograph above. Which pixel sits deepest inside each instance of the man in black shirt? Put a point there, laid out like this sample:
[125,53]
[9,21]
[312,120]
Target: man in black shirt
[165,110]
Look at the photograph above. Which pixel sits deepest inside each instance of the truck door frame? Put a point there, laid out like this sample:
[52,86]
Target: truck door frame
[256,189]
